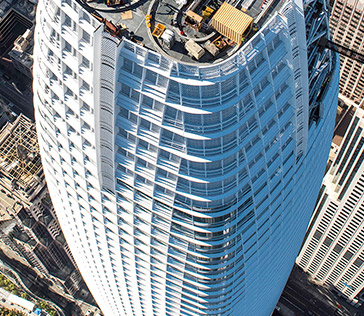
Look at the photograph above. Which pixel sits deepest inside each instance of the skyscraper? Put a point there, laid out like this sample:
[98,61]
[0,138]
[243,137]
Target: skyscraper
[333,252]
[184,147]
[347,26]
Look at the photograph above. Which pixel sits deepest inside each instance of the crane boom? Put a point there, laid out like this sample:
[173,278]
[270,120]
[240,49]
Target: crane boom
[351,53]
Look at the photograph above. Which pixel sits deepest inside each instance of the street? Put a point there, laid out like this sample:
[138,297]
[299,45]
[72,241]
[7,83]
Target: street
[301,301]
[303,297]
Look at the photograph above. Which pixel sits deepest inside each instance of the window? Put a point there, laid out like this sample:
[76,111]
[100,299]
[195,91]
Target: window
[86,17]
[86,62]
[86,37]
[67,47]
[67,21]
[85,85]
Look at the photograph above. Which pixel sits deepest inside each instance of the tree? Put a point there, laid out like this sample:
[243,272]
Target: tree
[13,312]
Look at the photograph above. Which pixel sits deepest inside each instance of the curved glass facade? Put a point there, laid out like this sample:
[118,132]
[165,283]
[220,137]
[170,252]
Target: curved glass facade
[182,189]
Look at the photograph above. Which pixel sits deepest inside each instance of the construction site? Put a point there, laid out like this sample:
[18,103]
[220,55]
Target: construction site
[201,31]
[29,231]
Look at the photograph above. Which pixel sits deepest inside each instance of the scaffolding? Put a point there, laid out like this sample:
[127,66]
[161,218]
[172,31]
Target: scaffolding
[19,153]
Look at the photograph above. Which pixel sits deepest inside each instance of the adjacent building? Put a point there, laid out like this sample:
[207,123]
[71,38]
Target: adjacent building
[347,27]
[22,53]
[184,148]
[15,18]
[333,252]
[29,231]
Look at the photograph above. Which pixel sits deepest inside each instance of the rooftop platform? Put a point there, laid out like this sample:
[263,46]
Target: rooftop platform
[167,26]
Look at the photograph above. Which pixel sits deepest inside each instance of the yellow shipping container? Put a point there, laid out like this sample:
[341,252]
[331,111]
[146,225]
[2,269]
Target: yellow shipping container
[231,22]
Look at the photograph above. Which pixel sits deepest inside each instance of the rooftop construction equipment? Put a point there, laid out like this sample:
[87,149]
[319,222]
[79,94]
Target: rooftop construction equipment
[158,30]
[232,23]
[194,49]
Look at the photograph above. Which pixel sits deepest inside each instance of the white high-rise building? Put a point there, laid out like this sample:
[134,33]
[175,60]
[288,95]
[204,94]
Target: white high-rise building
[184,185]
[347,27]
[333,252]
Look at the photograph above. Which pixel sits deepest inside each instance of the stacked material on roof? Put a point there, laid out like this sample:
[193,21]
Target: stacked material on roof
[194,49]
[231,22]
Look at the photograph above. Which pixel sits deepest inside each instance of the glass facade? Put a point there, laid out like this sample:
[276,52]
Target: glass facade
[183,189]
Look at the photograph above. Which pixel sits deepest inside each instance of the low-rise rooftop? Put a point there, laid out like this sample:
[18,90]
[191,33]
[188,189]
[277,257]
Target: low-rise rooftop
[25,7]
[188,31]
[15,18]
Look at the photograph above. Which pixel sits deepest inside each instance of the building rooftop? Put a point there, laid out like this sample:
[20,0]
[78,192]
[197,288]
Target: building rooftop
[167,26]
[22,52]
[342,125]
[25,7]
[15,18]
